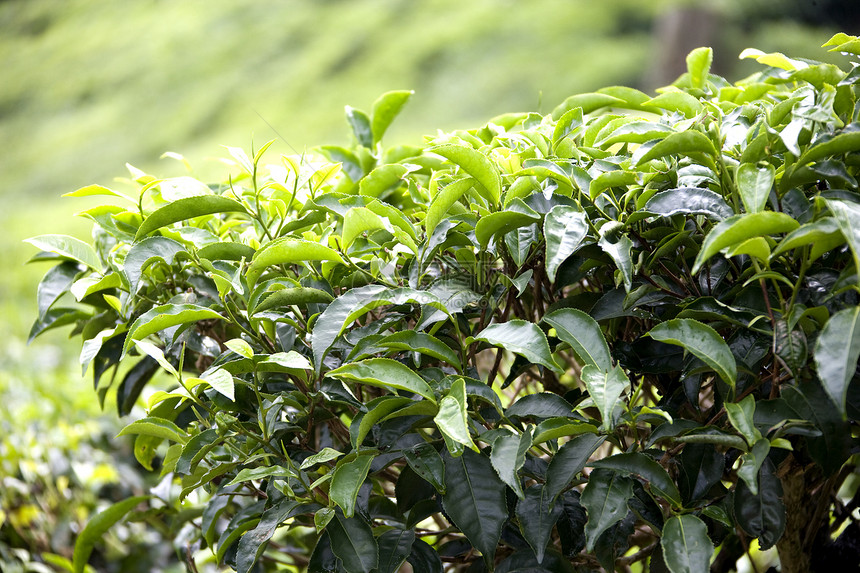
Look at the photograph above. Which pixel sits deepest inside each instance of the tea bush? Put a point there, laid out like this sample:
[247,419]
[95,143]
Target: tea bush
[623,333]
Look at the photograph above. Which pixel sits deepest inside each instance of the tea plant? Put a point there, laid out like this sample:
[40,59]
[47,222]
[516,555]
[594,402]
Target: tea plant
[626,332]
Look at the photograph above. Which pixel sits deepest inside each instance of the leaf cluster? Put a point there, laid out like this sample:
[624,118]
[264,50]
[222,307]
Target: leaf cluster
[624,331]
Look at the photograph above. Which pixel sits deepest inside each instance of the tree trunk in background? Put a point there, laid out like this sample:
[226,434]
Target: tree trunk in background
[676,33]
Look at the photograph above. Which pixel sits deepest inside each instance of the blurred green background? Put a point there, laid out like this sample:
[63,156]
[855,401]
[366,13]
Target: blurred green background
[87,85]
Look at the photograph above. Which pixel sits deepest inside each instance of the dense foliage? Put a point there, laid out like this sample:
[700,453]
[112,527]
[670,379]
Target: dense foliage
[623,332]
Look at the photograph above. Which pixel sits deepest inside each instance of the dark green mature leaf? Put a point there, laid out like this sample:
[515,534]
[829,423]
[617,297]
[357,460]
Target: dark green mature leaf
[836,354]
[508,456]
[811,402]
[347,479]
[474,499]
[427,463]
[477,165]
[537,512]
[194,450]
[564,229]
[410,340]
[605,388]
[569,460]
[97,526]
[353,543]
[500,223]
[701,467]
[145,253]
[523,338]
[738,228]
[583,334]
[253,543]
[424,558]
[165,316]
[187,208]
[702,341]
[539,405]
[56,282]
[387,107]
[355,303]
[686,547]
[385,373]
[67,247]
[605,498]
[689,201]
[762,515]
[639,464]
[395,546]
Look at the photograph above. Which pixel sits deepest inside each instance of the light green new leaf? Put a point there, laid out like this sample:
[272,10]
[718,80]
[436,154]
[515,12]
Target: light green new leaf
[564,228]
[252,474]
[741,417]
[677,101]
[222,382]
[240,347]
[385,373]
[293,296]
[156,427]
[443,200]
[635,132]
[509,455]
[583,334]
[605,499]
[477,165]
[608,179]
[701,340]
[358,220]
[639,464]
[377,409]
[360,124]
[324,455]
[453,417]
[836,354]
[739,228]
[287,251]
[347,480]
[165,316]
[96,190]
[68,247]
[605,387]
[698,66]
[385,109]
[685,543]
[847,216]
[838,145]
[187,208]
[823,234]
[589,102]
[751,463]
[383,178]
[620,249]
[97,526]
[683,143]
[523,338]
[754,185]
